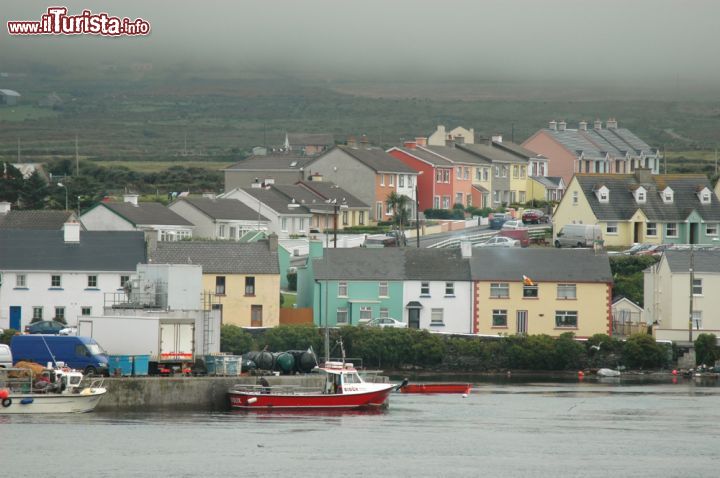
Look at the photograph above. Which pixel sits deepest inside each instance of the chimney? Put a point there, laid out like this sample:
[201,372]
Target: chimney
[643,175]
[561,125]
[4,207]
[364,141]
[272,242]
[151,240]
[552,125]
[582,126]
[497,138]
[316,177]
[441,130]
[410,144]
[421,140]
[71,232]
[450,142]
[131,198]
[351,141]
[611,123]
[597,125]
[466,249]
[209,196]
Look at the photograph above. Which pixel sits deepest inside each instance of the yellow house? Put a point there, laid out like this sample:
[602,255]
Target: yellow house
[541,291]
[245,277]
[541,188]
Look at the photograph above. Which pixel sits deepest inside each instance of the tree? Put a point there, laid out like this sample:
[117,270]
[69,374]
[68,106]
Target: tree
[235,340]
[11,183]
[34,192]
[401,215]
[706,349]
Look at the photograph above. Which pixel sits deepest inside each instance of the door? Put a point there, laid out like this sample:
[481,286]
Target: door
[694,232]
[414,318]
[15,317]
[636,232]
[522,322]
[256,316]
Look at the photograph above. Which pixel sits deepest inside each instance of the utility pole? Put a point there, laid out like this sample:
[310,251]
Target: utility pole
[716,162]
[18,160]
[692,281]
[665,157]
[77,157]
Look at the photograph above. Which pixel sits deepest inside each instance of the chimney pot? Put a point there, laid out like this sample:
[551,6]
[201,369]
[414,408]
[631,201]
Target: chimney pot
[497,138]
[561,125]
[582,126]
[552,125]
[421,140]
[597,125]
[466,249]
[131,198]
[410,144]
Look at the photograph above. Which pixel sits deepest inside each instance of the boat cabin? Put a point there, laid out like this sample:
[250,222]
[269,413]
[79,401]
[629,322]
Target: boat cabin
[340,378]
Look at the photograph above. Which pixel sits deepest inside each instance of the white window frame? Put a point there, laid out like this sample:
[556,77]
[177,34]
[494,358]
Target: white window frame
[383,286]
[37,312]
[341,312]
[611,228]
[567,291]
[20,281]
[382,180]
[425,289]
[697,319]
[379,210]
[366,313]
[92,281]
[283,224]
[436,202]
[697,287]
[59,280]
[437,316]
[560,314]
[59,313]
[401,180]
[667,229]
[575,198]
[498,313]
[361,218]
[651,231]
[85,308]
[384,313]
[713,231]
[496,289]
[342,288]
[392,180]
[345,218]
[449,289]
[221,231]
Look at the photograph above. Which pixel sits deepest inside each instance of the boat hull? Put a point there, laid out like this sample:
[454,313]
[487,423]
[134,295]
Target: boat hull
[33,403]
[310,401]
[436,388]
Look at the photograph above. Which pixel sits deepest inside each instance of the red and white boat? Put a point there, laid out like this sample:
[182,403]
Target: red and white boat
[343,388]
[463,388]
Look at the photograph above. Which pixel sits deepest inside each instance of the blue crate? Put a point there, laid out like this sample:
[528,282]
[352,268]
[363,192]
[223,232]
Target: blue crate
[141,364]
[120,365]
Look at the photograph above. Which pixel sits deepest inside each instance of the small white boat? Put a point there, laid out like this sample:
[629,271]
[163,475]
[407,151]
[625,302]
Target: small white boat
[63,392]
[608,372]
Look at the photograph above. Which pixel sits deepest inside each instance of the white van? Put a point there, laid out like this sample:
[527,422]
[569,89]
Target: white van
[6,360]
[578,235]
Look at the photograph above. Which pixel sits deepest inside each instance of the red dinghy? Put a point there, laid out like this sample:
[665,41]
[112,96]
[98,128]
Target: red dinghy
[343,389]
[436,388]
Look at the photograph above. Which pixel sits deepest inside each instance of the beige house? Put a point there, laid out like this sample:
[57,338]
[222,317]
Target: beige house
[456,135]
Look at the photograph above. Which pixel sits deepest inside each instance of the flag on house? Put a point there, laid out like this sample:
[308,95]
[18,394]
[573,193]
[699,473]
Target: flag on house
[527,280]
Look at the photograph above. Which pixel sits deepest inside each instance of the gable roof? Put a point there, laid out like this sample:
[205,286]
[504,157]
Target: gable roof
[224,209]
[41,219]
[492,153]
[436,264]
[146,213]
[425,155]
[330,190]
[220,257]
[310,139]
[377,160]
[550,182]
[540,265]
[271,162]
[622,205]
[455,154]
[273,198]
[705,260]
[517,150]
[595,144]
[109,251]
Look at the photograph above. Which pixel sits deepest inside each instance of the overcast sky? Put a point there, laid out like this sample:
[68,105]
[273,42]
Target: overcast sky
[548,39]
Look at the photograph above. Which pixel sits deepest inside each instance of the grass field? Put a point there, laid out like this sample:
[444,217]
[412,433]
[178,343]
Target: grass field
[289,300]
[25,112]
[157,166]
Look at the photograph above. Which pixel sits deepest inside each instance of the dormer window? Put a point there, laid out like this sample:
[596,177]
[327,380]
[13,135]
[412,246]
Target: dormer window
[704,196]
[640,195]
[603,194]
[667,195]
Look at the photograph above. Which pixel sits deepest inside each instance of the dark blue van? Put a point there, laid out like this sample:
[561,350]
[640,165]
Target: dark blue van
[81,353]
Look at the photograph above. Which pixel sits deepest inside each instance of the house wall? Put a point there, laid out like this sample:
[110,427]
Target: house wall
[292,225]
[245,179]
[425,181]
[519,184]
[73,294]
[306,277]
[360,294]
[480,182]
[457,310]
[101,218]
[461,185]
[536,191]
[592,305]
[236,305]
[561,162]
[569,212]
[204,226]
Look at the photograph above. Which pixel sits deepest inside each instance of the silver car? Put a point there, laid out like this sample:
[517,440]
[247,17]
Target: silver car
[499,241]
[383,322]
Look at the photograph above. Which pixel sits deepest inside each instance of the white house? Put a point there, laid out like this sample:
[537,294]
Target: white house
[667,294]
[437,291]
[219,218]
[133,216]
[286,218]
[63,274]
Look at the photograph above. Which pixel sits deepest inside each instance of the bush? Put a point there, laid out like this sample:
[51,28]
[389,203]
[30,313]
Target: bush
[292,281]
[706,350]
[641,351]
[7,336]
[444,214]
[235,340]
[476,211]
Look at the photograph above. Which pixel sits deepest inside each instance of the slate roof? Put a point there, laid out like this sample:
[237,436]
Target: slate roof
[146,213]
[621,205]
[310,139]
[330,190]
[491,153]
[271,162]
[378,160]
[275,200]
[596,143]
[436,264]
[540,265]
[50,220]
[706,260]
[456,155]
[219,257]
[46,250]
[426,156]
[551,182]
[517,149]
[303,196]
[224,209]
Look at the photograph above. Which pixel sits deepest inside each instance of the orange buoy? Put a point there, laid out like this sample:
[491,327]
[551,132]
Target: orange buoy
[4,393]
[674,372]
[581,374]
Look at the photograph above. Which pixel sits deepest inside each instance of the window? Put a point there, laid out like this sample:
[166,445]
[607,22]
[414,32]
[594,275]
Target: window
[449,289]
[486,174]
[671,229]
[401,181]
[425,289]
[446,202]
[697,319]
[459,172]
[361,218]
[344,218]
[221,230]
[567,291]
[446,175]
[342,315]
[697,287]
[392,180]
[233,234]
[92,281]
[499,289]
[365,313]
[20,280]
[711,229]
[706,198]
[436,202]
[512,197]
[283,224]
[342,288]
[530,291]
[86,311]
[611,228]
[220,285]
[575,198]
[438,175]
[668,197]
[497,171]
[436,317]
[249,286]
[495,196]
[516,171]
[124,281]
[603,196]
[378,211]
[641,196]
[522,196]
[458,198]
[651,229]
[55,281]
[383,289]
[384,313]
[302,224]
[256,319]
[382,180]
[566,318]
[60,314]
[522,172]
[466,173]
[37,313]
[505,170]
[388,208]
[499,318]
[478,174]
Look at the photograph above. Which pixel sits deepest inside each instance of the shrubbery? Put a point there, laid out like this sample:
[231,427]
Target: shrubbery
[444,213]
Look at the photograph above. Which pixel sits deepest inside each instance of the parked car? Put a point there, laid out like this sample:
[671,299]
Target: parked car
[498,219]
[499,241]
[636,248]
[578,235]
[383,322]
[534,216]
[521,235]
[6,358]
[45,327]
[654,250]
[512,225]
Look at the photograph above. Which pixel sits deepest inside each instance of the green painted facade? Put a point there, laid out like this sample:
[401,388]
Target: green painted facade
[361,295]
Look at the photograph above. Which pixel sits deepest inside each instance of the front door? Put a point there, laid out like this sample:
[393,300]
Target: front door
[414,318]
[15,314]
[522,322]
[256,316]
[636,232]
[694,232]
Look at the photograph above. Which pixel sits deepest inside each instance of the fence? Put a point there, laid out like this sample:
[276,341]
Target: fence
[300,316]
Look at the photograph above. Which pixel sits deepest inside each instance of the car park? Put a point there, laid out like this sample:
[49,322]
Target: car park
[383,322]
[534,216]
[499,241]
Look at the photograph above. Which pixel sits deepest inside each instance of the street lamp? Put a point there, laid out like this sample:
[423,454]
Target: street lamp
[61,185]
[336,207]
[417,209]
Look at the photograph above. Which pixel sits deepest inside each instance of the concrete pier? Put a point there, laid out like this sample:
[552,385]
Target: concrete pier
[184,393]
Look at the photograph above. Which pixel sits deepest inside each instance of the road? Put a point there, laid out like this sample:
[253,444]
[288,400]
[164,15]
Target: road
[426,241]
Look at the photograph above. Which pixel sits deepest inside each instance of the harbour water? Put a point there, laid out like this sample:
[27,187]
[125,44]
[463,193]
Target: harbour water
[512,429]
